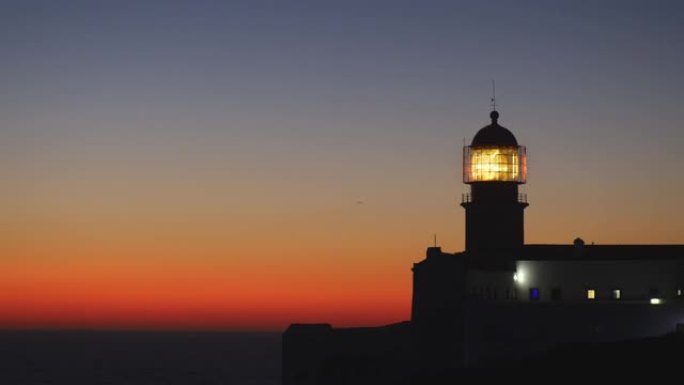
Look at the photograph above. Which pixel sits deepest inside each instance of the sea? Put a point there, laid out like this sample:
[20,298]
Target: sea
[139,358]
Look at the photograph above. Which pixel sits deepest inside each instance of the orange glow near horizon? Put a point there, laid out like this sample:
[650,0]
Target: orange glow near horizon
[170,307]
[140,296]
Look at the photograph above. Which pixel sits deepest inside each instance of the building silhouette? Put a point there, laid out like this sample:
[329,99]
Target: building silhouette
[500,299]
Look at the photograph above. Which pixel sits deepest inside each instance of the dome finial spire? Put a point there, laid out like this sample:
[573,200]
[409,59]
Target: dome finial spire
[494,114]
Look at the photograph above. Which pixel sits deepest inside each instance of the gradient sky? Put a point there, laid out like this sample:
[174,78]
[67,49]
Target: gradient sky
[199,164]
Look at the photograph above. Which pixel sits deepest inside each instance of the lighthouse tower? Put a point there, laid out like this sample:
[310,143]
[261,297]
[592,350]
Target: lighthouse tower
[494,165]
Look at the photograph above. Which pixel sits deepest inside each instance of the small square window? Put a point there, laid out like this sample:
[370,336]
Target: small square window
[616,294]
[591,294]
[556,294]
[534,293]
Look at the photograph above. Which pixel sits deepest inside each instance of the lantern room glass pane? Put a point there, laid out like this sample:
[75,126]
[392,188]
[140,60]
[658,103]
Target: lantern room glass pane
[494,164]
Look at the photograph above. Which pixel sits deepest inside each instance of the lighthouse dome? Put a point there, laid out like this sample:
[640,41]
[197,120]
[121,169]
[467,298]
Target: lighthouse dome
[494,135]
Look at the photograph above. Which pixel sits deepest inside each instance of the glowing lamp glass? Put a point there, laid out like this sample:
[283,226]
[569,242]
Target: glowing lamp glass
[494,164]
[656,301]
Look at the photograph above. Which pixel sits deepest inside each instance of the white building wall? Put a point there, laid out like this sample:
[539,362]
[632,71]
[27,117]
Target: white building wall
[635,279]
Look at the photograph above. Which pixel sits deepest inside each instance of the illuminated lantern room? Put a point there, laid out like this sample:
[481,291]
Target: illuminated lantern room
[494,156]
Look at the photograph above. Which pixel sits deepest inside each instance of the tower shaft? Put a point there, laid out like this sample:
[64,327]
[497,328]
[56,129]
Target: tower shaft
[494,218]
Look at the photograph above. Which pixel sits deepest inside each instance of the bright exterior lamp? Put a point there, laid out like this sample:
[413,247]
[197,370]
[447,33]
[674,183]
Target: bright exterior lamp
[494,164]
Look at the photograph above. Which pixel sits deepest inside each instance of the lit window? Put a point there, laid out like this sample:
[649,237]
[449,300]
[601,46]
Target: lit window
[534,293]
[656,301]
[679,292]
[616,294]
[591,294]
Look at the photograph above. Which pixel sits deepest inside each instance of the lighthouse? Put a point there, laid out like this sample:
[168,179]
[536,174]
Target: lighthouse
[494,165]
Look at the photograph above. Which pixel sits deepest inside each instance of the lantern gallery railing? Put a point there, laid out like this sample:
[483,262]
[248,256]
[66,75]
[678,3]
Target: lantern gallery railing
[494,164]
[467,198]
